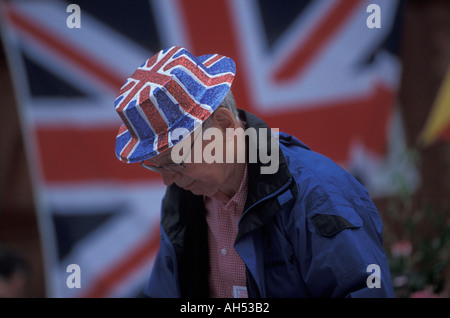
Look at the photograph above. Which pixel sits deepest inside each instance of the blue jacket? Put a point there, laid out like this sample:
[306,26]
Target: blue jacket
[309,230]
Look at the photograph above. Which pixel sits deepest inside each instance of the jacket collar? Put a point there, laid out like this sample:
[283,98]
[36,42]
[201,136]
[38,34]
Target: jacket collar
[259,209]
[261,188]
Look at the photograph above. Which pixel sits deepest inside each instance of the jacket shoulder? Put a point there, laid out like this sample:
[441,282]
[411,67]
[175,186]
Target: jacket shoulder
[328,196]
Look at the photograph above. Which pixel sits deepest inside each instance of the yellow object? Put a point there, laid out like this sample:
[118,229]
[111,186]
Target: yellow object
[439,118]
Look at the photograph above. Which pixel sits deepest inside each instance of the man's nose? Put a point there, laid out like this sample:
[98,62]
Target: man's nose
[169,176]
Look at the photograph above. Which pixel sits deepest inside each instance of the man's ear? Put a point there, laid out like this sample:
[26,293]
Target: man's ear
[223,118]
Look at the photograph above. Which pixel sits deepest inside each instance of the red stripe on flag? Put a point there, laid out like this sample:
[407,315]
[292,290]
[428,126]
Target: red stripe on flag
[125,267]
[332,129]
[71,154]
[46,37]
[215,38]
[316,39]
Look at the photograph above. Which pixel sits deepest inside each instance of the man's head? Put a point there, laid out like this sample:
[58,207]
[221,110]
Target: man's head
[176,91]
[203,168]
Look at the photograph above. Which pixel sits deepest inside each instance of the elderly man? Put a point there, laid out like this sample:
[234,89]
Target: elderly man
[247,212]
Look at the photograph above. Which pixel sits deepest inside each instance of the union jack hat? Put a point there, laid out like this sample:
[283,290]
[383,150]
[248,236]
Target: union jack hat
[173,89]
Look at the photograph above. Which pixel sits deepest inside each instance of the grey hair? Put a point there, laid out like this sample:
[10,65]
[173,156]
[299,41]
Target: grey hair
[229,103]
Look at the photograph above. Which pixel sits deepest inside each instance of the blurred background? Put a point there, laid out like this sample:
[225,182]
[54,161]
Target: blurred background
[368,86]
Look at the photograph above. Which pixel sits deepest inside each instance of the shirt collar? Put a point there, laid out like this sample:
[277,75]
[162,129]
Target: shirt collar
[238,198]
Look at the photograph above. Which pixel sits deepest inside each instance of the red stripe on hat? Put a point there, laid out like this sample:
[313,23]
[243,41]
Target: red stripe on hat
[127,150]
[126,88]
[186,102]
[204,77]
[156,120]
[317,39]
[152,76]
[151,61]
[122,104]
[213,59]
[126,266]
[122,129]
[72,154]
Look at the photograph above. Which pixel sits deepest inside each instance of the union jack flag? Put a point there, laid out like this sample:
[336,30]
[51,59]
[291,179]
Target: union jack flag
[311,68]
[171,90]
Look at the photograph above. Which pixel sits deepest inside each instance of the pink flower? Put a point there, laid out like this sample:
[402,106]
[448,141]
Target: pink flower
[401,248]
[400,281]
[426,293]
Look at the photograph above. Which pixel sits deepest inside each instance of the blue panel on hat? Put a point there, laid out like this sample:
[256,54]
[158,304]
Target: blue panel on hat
[118,100]
[194,88]
[141,127]
[221,66]
[170,109]
[212,95]
[142,150]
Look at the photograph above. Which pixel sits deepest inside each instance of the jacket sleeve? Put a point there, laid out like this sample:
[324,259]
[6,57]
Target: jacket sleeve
[344,256]
[335,229]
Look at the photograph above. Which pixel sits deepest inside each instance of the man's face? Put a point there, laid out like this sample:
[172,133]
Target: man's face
[205,177]
[200,178]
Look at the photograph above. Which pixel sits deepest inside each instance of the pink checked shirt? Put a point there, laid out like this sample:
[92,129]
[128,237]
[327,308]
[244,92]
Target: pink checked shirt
[227,276]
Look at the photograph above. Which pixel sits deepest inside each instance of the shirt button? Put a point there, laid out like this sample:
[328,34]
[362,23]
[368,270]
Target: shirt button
[224,251]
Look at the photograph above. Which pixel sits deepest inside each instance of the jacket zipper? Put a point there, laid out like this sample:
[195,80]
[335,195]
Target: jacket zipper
[252,287]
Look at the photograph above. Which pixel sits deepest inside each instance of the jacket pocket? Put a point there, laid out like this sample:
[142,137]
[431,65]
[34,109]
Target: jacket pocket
[331,224]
